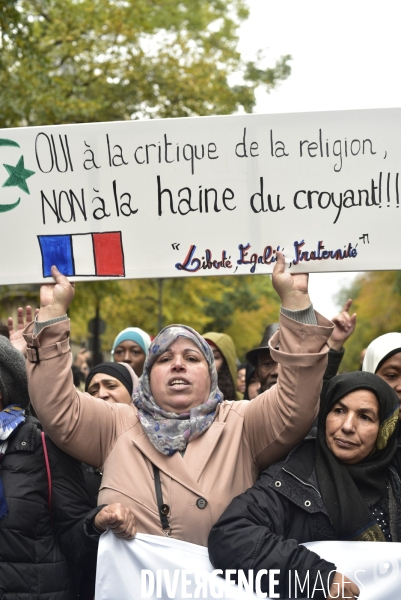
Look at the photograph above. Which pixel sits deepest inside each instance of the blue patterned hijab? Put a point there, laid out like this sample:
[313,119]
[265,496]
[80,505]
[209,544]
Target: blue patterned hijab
[168,431]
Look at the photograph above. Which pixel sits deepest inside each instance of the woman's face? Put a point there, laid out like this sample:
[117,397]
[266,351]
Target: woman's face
[109,388]
[179,379]
[241,380]
[218,358]
[390,371]
[132,354]
[352,426]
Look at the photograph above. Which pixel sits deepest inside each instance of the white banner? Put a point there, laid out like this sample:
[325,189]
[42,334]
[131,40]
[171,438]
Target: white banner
[162,568]
[159,567]
[201,196]
[373,566]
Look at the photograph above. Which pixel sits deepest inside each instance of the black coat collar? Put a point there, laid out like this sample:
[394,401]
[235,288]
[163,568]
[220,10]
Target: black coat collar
[295,478]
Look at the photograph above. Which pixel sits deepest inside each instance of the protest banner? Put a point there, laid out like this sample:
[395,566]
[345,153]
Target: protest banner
[158,567]
[375,568]
[201,196]
[161,568]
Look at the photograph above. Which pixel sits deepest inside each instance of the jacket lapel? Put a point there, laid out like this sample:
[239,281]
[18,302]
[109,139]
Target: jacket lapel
[173,466]
[188,470]
[201,449]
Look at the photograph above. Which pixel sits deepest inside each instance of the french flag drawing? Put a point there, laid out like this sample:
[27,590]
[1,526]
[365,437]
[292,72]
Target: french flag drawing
[83,254]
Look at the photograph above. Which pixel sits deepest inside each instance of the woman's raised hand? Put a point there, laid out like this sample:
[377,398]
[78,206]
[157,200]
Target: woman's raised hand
[344,326]
[291,287]
[16,337]
[55,298]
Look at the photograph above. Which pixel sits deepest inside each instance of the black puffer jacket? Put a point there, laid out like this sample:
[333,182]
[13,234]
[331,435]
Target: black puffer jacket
[32,566]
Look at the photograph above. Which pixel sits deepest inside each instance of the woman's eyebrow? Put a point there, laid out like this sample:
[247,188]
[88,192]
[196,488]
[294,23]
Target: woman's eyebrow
[97,383]
[367,410]
[360,410]
[127,348]
[189,349]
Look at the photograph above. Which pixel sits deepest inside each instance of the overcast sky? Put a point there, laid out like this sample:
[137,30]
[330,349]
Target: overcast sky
[345,55]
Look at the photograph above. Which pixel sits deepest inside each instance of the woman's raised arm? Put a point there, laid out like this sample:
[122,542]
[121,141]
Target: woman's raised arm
[282,416]
[83,426]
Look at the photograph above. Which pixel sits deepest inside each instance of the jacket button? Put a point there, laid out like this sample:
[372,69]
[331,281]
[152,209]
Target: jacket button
[164,509]
[307,503]
[277,483]
[201,503]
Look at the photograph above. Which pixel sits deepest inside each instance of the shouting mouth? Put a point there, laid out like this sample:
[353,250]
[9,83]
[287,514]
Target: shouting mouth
[179,384]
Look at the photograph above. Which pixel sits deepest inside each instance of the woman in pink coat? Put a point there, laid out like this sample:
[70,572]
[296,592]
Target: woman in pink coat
[177,455]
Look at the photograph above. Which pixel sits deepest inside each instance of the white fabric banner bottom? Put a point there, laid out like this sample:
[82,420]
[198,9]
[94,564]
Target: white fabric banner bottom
[373,566]
[152,567]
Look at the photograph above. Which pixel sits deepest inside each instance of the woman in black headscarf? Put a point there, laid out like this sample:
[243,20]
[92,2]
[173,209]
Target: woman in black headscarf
[114,382]
[343,485]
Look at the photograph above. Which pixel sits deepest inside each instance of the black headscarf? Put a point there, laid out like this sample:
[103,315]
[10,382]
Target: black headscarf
[348,491]
[117,370]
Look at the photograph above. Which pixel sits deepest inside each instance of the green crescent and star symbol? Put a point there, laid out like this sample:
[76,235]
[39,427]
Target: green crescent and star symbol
[17,176]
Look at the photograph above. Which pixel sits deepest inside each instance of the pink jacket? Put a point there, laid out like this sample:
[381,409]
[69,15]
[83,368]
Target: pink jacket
[245,437]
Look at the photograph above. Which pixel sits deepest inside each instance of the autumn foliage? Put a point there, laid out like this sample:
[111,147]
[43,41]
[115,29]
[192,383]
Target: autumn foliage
[376,300]
[241,306]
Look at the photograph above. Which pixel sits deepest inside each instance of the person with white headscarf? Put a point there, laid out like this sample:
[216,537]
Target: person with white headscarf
[383,357]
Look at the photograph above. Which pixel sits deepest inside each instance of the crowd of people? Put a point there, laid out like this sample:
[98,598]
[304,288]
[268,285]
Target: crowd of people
[174,436]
